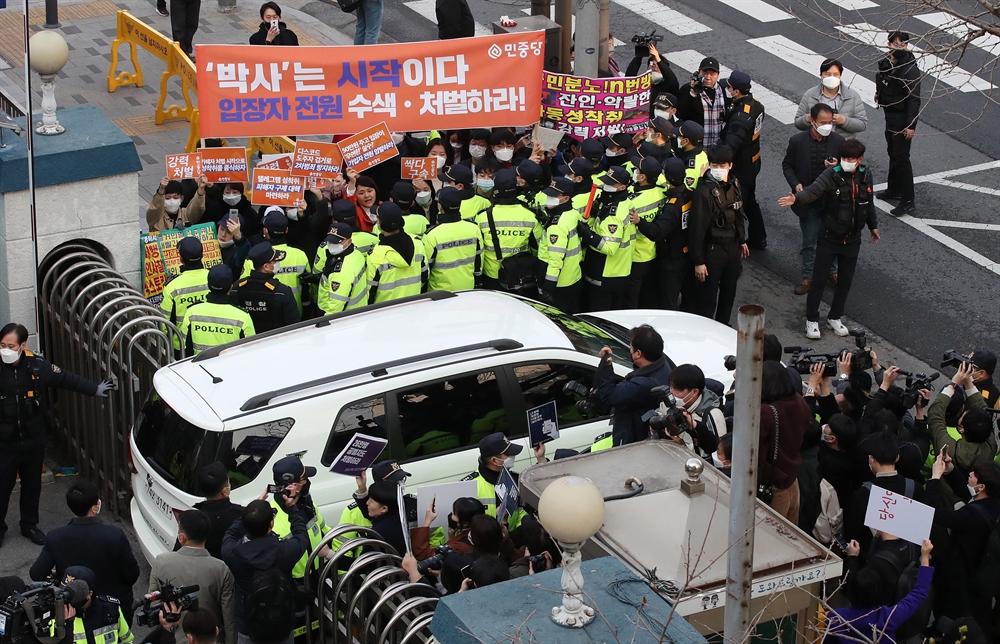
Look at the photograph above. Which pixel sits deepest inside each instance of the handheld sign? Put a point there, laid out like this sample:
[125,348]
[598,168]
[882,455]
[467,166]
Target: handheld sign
[443,496]
[402,518]
[898,515]
[224,165]
[183,166]
[507,495]
[316,159]
[276,188]
[543,423]
[275,162]
[368,148]
[358,455]
[547,137]
[418,168]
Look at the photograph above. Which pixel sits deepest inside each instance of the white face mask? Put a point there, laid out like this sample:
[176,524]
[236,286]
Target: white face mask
[424,198]
[226,244]
[440,162]
[849,166]
[609,188]
[508,462]
[824,130]
[172,205]
[551,202]
[651,137]
[397,138]
[831,82]
[293,214]
[716,462]
[455,146]
[635,176]
[719,174]
[9,356]
[729,92]
[277,268]
[661,114]
[335,249]
[972,491]
[613,155]
[656,78]
[504,154]
[232,199]
[477,151]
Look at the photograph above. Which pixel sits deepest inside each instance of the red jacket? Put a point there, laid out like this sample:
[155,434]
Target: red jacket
[793,419]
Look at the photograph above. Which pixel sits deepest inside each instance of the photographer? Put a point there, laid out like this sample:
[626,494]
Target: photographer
[986,363]
[631,397]
[664,80]
[784,417]
[704,100]
[700,408]
[459,521]
[99,620]
[540,552]
[294,475]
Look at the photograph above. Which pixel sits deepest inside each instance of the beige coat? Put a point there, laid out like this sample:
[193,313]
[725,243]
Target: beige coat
[158,219]
[189,566]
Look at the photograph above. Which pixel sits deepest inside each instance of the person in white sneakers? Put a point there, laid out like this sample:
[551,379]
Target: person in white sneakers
[847,209]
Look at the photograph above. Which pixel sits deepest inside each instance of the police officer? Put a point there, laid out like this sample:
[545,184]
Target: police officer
[581,172]
[644,208]
[270,303]
[99,620]
[593,150]
[189,287]
[608,239]
[505,225]
[495,454]
[665,106]
[741,132]
[452,247]
[690,151]
[461,178]
[404,195]
[24,424]
[661,134]
[530,182]
[617,147]
[217,320]
[559,249]
[716,237]
[295,264]
[292,474]
[674,269]
[396,267]
[343,284]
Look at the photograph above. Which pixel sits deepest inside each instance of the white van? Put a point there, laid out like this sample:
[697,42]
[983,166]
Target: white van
[460,365]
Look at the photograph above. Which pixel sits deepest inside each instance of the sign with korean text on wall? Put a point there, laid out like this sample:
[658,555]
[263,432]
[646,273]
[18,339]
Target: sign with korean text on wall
[594,107]
[369,148]
[486,81]
[418,168]
[183,166]
[161,261]
[224,165]
[316,159]
[276,188]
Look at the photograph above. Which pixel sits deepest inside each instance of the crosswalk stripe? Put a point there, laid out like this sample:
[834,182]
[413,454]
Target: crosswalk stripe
[775,105]
[663,16]
[930,64]
[552,17]
[426,9]
[958,28]
[854,5]
[758,10]
[809,61]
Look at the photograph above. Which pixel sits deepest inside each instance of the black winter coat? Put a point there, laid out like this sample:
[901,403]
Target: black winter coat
[454,19]
[631,398]
[285,35]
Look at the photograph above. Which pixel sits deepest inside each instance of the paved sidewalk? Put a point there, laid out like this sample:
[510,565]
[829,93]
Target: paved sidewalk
[89,29]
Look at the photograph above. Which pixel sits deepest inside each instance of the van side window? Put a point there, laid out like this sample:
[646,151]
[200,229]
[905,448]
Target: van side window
[245,451]
[542,383]
[365,417]
[450,414]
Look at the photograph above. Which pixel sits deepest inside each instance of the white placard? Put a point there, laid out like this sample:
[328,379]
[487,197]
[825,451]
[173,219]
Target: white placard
[898,515]
[444,496]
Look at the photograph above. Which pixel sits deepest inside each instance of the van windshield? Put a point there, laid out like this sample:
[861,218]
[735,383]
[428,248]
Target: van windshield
[178,450]
[585,337]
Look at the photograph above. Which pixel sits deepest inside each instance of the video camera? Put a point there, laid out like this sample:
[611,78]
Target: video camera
[642,39]
[435,562]
[914,383]
[698,83]
[151,605]
[803,358]
[29,616]
[589,404]
[729,362]
[952,358]
[668,419]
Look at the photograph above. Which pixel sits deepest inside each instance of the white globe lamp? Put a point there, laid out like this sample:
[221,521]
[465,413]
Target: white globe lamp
[572,510]
[49,53]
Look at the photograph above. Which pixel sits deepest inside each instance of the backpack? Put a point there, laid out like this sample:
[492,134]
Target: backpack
[349,6]
[831,516]
[270,605]
[911,487]
[905,582]
[987,579]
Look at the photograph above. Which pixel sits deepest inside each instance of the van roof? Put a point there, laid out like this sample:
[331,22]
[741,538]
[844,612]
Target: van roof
[344,344]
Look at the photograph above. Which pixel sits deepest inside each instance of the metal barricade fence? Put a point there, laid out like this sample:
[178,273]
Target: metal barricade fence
[97,325]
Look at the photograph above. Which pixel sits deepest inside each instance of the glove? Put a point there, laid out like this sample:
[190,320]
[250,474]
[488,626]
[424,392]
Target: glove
[103,388]
[548,286]
[310,278]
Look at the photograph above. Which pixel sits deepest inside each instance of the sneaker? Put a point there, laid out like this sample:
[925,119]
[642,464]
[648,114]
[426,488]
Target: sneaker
[838,327]
[904,208]
[162,10]
[812,330]
[802,288]
[885,194]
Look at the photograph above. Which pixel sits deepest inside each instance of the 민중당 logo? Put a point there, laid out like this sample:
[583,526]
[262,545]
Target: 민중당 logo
[495,51]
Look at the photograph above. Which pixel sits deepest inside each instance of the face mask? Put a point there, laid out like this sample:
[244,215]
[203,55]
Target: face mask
[612,155]
[609,188]
[650,137]
[716,462]
[508,462]
[172,205]
[424,198]
[335,249]
[504,155]
[824,130]
[452,524]
[635,176]
[972,491]
[656,78]
[231,199]
[9,356]
[729,92]
[226,244]
[277,267]
[550,202]
[849,166]
[485,184]
[682,142]
[719,174]
[440,162]
[455,146]
[293,214]
[477,151]
[831,82]
[661,114]
[397,138]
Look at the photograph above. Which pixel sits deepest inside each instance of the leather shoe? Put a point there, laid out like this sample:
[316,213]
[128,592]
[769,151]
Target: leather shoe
[904,208]
[832,279]
[803,288]
[885,194]
[37,536]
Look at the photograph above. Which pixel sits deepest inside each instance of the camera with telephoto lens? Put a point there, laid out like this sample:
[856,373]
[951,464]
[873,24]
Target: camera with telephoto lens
[952,358]
[151,604]
[537,560]
[914,383]
[31,616]
[861,358]
[698,82]
[435,562]
[286,480]
[668,419]
[643,39]
[589,405]
[729,362]
[803,359]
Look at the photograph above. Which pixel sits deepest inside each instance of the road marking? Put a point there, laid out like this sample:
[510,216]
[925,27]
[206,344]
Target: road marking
[939,68]
[970,225]
[809,61]
[758,10]
[968,186]
[552,17]
[775,105]
[854,5]
[663,16]
[979,167]
[960,29]
[426,9]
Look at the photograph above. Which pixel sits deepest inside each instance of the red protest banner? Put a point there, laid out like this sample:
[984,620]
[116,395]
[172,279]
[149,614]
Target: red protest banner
[316,159]
[224,165]
[276,188]
[183,166]
[418,168]
[283,162]
[487,81]
[369,148]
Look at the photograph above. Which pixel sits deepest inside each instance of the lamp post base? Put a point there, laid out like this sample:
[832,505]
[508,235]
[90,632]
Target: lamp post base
[578,619]
[49,130]
[573,613]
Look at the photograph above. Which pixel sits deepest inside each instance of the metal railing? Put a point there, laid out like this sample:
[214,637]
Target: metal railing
[95,324]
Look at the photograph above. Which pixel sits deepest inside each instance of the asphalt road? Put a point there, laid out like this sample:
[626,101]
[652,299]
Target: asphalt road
[918,288]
